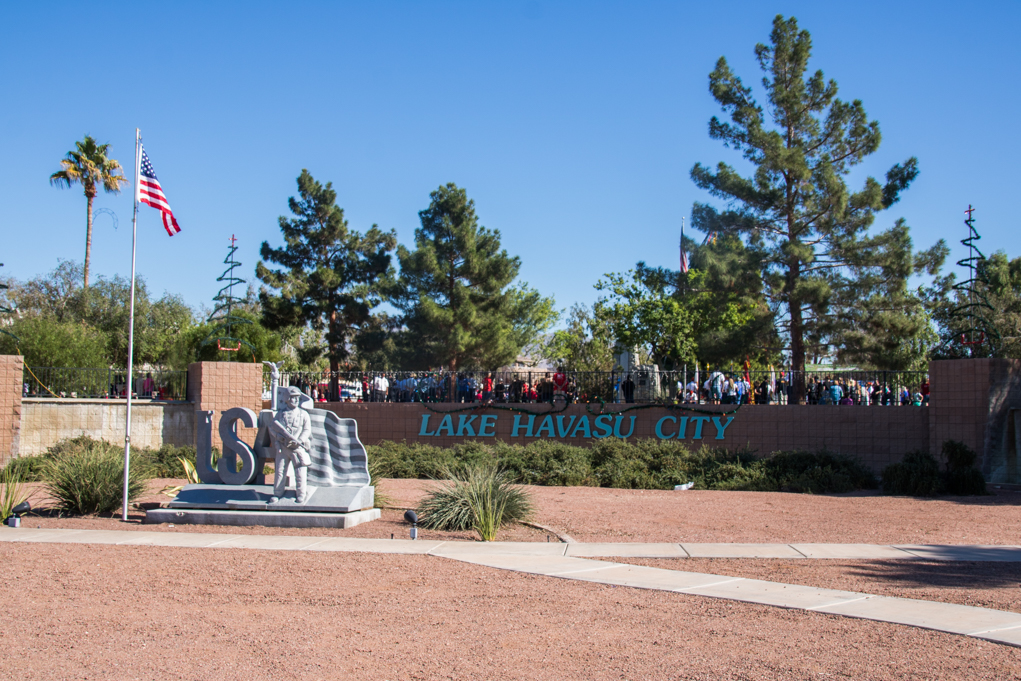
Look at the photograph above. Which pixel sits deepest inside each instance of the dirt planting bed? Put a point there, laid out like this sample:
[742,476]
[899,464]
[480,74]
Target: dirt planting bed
[592,514]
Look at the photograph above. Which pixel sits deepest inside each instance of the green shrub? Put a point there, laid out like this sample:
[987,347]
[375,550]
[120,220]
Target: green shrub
[89,479]
[545,462]
[618,464]
[163,462]
[403,460]
[478,497]
[962,478]
[714,468]
[817,472]
[26,468]
[919,473]
[644,464]
[76,445]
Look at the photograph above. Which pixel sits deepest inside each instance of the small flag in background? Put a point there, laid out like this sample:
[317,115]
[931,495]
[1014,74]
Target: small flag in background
[151,194]
[684,256]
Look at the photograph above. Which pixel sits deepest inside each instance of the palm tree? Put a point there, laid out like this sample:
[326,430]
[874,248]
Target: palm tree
[88,165]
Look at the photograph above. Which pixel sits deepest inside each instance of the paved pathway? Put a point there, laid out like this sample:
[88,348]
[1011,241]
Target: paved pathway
[574,561]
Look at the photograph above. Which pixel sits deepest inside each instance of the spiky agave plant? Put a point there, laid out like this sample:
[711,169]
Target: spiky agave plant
[479,497]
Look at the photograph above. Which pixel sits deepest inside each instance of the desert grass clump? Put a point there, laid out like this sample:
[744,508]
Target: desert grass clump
[479,497]
[12,491]
[89,479]
[381,498]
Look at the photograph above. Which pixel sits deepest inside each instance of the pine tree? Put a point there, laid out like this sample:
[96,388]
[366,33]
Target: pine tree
[331,275]
[459,307]
[812,230]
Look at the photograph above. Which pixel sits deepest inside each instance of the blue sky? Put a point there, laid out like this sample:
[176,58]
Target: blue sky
[573,126]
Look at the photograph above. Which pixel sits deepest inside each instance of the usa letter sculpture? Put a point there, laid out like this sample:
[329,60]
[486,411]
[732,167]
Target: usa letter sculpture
[314,451]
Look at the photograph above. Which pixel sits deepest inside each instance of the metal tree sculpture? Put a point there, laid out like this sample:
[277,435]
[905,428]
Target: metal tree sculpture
[223,314]
[970,318]
[7,311]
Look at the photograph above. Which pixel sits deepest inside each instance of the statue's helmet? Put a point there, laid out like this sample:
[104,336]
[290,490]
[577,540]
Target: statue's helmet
[293,392]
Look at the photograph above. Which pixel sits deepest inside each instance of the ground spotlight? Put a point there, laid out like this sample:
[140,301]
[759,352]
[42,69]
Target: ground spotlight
[412,518]
[14,520]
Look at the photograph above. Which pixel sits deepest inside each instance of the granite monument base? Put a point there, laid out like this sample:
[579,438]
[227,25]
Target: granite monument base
[262,518]
[341,499]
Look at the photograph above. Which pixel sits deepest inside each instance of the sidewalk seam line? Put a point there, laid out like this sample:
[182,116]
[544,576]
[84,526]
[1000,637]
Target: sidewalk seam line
[316,543]
[686,554]
[993,631]
[897,548]
[794,548]
[706,586]
[609,566]
[844,602]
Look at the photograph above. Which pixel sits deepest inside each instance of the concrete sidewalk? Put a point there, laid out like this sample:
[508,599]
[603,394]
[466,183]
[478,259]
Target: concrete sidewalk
[574,561]
[942,552]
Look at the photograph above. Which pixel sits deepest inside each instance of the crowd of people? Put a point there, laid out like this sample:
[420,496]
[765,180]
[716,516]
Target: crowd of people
[620,387]
[439,386]
[719,388]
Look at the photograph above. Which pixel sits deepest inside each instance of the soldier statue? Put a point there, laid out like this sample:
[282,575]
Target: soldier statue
[291,433]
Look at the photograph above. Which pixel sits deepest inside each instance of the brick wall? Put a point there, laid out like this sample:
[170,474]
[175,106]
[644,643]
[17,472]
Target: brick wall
[11,381]
[218,386]
[877,435]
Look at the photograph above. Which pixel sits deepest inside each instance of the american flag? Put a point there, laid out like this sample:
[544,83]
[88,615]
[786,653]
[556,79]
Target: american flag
[684,256]
[151,194]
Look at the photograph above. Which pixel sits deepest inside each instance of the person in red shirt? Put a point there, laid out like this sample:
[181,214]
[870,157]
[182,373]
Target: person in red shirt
[560,381]
[487,388]
[925,391]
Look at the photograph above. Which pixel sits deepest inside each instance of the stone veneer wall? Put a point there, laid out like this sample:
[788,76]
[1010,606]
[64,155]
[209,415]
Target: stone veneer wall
[45,422]
[218,386]
[11,381]
[877,435]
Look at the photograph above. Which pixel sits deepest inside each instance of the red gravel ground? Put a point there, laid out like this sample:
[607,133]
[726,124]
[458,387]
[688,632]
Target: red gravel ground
[118,612]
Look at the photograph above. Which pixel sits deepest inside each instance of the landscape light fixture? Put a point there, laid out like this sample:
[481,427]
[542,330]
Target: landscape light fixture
[412,518]
[14,520]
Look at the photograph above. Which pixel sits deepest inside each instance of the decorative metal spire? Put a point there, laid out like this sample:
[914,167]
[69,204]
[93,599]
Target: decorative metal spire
[223,314]
[971,315]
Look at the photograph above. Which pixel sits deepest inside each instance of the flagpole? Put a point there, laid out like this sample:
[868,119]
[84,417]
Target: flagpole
[131,330]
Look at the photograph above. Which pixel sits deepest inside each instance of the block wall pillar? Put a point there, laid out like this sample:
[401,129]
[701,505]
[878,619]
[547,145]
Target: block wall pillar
[218,386]
[978,402]
[12,369]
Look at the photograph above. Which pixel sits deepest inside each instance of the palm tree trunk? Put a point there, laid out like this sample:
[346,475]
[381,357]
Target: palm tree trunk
[88,241]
